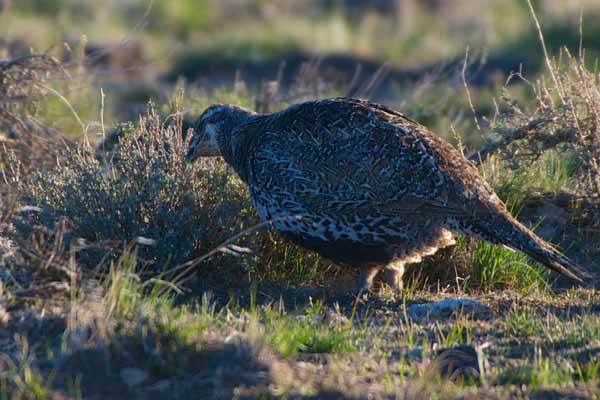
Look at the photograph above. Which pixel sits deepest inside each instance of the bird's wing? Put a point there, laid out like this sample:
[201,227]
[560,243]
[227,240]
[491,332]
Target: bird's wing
[359,161]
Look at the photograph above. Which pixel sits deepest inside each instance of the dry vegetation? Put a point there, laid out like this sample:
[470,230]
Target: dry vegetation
[121,274]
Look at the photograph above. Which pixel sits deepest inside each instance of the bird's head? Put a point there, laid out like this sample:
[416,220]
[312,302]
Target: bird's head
[212,130]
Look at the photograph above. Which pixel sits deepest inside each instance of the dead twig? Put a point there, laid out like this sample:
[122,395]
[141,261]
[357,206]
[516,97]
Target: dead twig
[508,137]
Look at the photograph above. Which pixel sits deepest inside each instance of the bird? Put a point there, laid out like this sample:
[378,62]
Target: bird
[362,185]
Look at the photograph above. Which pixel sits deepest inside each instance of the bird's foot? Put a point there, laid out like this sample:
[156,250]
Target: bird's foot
[366,281]
[393,277]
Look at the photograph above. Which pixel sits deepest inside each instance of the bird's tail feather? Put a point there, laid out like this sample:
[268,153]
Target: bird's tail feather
[509,232]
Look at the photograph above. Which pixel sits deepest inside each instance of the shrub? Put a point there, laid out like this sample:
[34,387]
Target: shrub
[143,189]
[562,122]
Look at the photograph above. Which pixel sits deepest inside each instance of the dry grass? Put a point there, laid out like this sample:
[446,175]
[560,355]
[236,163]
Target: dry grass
[24,82]
[563,119]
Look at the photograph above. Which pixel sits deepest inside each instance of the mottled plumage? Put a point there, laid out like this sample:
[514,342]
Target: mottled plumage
[362,184]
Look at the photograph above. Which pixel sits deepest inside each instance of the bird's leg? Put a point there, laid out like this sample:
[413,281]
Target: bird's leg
[366,278]
[393,275]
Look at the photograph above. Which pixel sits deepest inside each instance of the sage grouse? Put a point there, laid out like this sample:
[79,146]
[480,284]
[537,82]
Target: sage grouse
[362,184]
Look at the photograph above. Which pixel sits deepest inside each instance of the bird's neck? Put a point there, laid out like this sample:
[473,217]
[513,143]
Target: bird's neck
[236,144]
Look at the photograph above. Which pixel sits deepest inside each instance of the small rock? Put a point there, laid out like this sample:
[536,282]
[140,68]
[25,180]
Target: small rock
[133,376]
[449,307]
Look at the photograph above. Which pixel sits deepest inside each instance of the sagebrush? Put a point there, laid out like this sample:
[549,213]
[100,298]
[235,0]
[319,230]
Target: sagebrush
[145,191]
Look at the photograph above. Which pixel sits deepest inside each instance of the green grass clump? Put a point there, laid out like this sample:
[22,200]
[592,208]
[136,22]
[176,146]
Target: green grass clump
[289,263]
[581,330]
[523,322]
[546,373]
[495,267]
[588,372]
[291,336]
